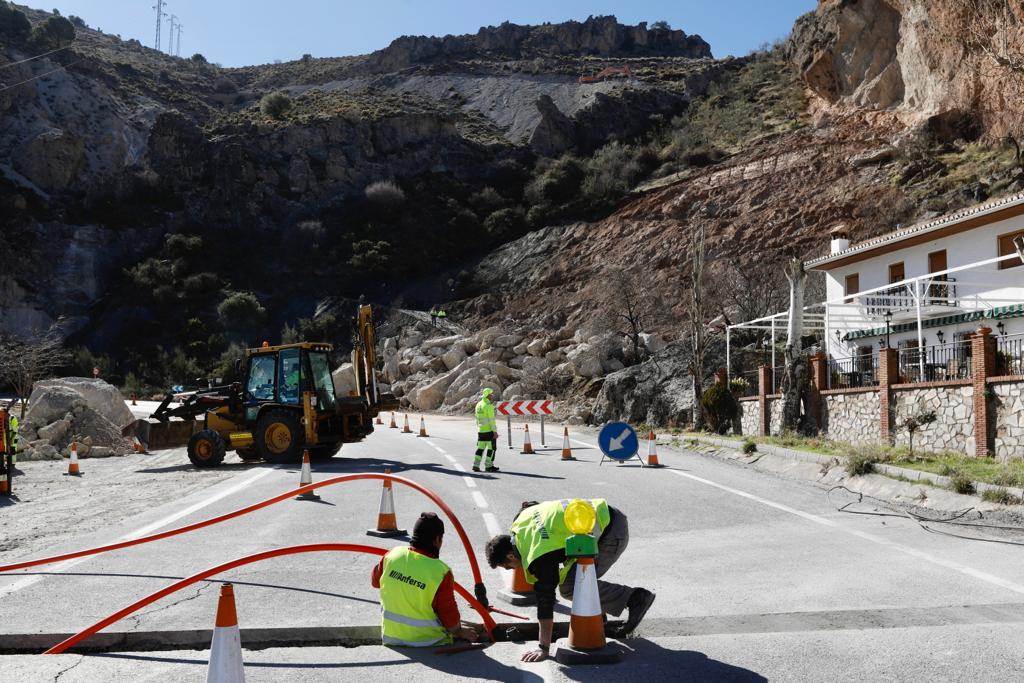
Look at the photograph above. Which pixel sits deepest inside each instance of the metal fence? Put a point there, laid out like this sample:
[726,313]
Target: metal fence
[1010,354]
[935,363]
[751,379]
[941,291]
[857,371]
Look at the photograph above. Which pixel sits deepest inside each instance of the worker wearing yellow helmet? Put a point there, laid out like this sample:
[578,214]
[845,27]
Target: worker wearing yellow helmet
[536,543]
[487,433]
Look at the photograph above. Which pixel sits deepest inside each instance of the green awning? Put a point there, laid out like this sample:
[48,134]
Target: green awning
[1001,312]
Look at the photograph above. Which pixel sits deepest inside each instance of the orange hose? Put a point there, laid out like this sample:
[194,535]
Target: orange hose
[241,561]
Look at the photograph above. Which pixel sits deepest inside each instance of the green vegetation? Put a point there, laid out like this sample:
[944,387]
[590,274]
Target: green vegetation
[720,407]
[14,25]
[276,105]
[242,314]
[1001,496]
[53,33]
[861,461]
[748,447]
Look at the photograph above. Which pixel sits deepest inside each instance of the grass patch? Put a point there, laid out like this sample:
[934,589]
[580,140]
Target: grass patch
[749,447]
[961,482]
[1001,496]
[862,461]
[949,464]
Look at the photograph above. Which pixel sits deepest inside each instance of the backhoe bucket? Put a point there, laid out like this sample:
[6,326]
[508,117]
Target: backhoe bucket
[156,435]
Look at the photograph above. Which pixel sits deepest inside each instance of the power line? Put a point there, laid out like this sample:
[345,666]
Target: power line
[4,66]
[160,14]
[29,80]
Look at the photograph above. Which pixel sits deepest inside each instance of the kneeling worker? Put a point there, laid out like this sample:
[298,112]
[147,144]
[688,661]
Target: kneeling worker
[537,544]
[417,594]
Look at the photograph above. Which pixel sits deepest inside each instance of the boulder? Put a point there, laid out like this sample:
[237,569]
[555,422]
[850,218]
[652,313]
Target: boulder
[453,357]
[554,356]
[657,391]
[55,431]
[520,349]
[652,342]
[590,367]
[52,398]
[537,347]
[534,366]
[419,363]
[429,396]
[507,341]
[344,380]
[411,338]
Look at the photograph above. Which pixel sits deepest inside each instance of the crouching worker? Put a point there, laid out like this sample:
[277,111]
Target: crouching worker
[417,591]
[537,545]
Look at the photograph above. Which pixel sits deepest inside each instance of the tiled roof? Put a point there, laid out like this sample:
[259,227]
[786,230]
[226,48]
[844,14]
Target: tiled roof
[918,228]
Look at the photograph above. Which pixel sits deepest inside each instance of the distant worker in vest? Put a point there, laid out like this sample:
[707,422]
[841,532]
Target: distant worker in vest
[536,543]
[487,433]
[417,591]
[441,315]
[433,316]
[13,433]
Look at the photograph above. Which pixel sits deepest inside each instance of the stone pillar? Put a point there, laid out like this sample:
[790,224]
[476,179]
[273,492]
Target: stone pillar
[819,382]
[888,374]
[983,366]
[764,383]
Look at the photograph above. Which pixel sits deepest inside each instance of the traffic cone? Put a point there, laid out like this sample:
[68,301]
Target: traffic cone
[387,524]
[306,477]
[566,449]
[652,451]
[527,446]
[137,446]
[379,421]
[405,427]
[393,425]
[226,647]
[133,399]
[73,470]
[423,427]
[587,644]
[521,591]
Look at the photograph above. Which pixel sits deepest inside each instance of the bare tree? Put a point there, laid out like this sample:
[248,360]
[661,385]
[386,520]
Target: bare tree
[23,361]
[795,389]
[629,305]
[700,309]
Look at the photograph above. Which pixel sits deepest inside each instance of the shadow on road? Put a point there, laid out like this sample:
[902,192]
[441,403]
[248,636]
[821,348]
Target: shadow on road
[251,665]
[231,466]
[652,662]
[211,580]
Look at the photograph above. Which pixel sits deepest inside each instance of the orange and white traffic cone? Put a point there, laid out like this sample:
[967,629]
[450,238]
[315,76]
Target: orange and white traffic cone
[379,421]
[587,644]
[527,446]
[652,451]
[423,427]
[137,446]
[393,425]
[520,592]
[73,470]
[566,449]
[387,522]
[405,427]
[226,647]
[306,477]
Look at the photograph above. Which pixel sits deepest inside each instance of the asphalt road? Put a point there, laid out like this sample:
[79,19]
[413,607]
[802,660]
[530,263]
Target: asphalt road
[757,576]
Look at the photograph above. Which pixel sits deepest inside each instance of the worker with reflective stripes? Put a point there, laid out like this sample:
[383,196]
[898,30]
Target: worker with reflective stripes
[536,543]
[13,432]
[417,591]
[487,433]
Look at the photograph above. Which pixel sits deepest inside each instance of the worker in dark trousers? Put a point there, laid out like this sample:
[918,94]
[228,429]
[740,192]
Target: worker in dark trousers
[487,433]
[536,543]
[433,317]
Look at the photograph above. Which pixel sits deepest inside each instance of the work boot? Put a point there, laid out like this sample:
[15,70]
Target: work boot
[492,468]
[475,468]
[640,600]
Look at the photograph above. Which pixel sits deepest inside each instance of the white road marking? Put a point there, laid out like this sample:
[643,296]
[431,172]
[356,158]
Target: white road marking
[30,580]
[479,499]
[458,465]
[491,522]
[913,552]
[582,443]
[469,482]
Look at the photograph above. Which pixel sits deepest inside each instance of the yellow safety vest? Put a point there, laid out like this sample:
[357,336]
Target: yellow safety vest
[407,588]
[541,529]
[485,419]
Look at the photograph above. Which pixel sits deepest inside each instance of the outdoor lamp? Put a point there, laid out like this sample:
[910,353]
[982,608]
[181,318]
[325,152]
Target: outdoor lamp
[839,335]
[580,519]
[940,336]
[888,319]
[1001,327]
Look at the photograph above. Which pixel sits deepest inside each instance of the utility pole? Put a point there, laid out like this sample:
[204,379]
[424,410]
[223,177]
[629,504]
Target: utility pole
[170,36]
[177,52]
[159,7]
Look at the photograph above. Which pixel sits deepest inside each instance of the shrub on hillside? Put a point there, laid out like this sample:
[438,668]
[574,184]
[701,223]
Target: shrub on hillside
[505,223]
[55,32]
[720,407]
[862,460]
[557,182]
[241,313]
[384,193]
[276,105]
[14,25]
[77,21]
[198,58]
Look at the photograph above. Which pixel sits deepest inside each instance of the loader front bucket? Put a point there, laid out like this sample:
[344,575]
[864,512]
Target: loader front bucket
[157,435]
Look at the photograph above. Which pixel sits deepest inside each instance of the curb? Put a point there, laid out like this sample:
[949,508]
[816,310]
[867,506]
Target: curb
[913,475]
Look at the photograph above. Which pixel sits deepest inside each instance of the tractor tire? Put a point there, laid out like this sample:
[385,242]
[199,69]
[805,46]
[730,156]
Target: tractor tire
[279,436]
[206,448]
[324,452]
[248,454]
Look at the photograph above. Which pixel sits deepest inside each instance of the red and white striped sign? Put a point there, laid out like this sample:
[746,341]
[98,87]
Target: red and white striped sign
[525,407]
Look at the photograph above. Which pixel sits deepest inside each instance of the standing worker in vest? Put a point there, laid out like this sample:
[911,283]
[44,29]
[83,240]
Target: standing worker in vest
[537,545]
[487,433]
[13,433]
[417,591]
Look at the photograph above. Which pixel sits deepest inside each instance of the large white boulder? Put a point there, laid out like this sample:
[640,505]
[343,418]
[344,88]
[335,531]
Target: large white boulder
[652,342]
[507,341]
[100,396]
[453,357]
[430,395]
[344,380]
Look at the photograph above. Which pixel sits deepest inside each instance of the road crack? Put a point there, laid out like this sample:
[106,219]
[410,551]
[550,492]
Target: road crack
[137,618]
[81,658]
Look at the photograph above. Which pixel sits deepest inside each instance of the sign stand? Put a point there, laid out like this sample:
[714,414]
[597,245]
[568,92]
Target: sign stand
[539,407]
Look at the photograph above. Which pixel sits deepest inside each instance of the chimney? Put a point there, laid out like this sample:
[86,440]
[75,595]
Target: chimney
[840,238]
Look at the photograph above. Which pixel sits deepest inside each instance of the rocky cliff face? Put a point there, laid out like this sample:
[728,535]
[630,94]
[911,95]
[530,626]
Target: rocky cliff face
[948,61]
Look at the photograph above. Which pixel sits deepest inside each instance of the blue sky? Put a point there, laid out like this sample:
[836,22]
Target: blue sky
[239,32]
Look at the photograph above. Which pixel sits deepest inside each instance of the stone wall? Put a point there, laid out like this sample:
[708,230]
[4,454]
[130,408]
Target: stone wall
[775,416]
[750,414]
[953,429]
[852,417]
[1009,409]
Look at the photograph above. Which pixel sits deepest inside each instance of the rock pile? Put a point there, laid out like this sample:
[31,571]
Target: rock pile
[448,373]
[90,412]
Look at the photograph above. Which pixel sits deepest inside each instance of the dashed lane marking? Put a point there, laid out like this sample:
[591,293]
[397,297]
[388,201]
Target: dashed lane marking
[913,552]
[491,522]
[479,499]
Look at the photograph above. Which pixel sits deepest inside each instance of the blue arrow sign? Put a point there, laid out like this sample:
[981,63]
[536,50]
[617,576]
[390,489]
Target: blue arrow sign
[618,441]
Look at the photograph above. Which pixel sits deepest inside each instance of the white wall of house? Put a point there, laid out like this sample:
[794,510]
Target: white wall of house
[985,287]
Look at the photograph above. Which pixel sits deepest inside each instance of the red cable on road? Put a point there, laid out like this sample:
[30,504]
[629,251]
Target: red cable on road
[241,561]
[481,592]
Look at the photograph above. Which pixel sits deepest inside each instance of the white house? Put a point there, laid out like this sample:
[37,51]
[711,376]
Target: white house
[923,289]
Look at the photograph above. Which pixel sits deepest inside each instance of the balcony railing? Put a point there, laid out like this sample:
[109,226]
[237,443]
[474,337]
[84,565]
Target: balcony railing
[941,291]
[850,373]
[1010,354]
[935,363]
